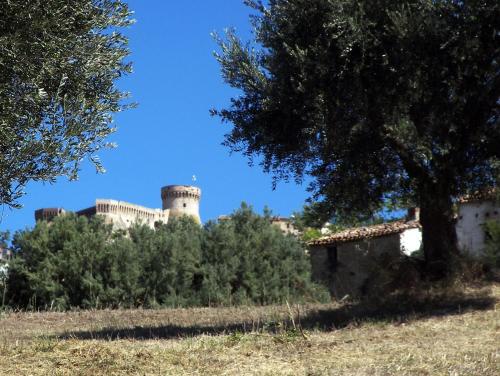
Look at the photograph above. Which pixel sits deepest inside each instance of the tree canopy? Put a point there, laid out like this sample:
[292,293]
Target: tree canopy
[59,61]
[376,99]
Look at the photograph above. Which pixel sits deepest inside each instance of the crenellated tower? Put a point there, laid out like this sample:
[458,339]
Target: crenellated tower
[181,200]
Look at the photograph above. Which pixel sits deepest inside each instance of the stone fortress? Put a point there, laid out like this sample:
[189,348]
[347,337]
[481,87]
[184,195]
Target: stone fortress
[177,201]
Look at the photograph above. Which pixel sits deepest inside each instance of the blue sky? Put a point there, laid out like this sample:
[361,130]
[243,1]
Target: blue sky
[170,136]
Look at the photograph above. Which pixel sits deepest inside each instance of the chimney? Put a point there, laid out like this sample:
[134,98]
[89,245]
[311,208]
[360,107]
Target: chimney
[413,214]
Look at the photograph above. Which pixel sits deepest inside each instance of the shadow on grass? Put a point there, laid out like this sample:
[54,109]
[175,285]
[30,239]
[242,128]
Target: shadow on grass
[397,310]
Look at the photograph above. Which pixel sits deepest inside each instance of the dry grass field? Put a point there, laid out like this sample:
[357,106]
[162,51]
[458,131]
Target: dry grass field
[445,335]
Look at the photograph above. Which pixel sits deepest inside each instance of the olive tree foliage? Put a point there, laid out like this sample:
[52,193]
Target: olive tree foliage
[376,99]
[59,61]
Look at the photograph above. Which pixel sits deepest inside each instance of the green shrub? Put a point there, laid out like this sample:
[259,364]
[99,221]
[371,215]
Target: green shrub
[77,262]
[492,249]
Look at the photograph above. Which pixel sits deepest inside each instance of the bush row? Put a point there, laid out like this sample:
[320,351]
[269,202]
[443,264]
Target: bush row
[76,262]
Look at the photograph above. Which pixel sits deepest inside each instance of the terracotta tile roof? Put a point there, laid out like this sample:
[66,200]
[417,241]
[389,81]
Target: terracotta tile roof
[369,232]
[489,194]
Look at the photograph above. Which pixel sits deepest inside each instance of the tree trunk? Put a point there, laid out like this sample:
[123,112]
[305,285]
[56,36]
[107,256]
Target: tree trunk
[438,231]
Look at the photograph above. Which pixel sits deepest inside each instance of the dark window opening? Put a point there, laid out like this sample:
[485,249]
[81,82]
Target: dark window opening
[333,258]
[184,205]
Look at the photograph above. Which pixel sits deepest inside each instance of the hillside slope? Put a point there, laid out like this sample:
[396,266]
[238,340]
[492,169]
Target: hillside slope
[459,337]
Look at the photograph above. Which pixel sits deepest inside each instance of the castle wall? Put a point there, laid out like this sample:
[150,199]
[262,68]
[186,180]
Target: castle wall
[122,214]
[47,214]
[285,225]
[177,200]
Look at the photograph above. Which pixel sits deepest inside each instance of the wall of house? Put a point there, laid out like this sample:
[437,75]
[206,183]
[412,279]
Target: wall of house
[411,240]
[320,266]
[471,218]
[356,261]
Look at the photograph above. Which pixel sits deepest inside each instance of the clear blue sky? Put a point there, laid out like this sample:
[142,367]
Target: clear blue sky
[170,136]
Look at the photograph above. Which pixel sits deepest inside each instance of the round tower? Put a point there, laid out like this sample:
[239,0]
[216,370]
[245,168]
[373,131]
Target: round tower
[181,200]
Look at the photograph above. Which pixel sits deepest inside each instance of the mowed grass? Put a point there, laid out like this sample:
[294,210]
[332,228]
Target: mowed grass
[458,335]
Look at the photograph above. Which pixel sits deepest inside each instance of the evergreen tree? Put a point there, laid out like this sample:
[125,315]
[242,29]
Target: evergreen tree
[73,262]
[77,262]
[171,258]
[116,278]
[220,263]
[254,262]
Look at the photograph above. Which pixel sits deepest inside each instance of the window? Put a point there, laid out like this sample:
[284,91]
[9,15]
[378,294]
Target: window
[333,257]
[184,205]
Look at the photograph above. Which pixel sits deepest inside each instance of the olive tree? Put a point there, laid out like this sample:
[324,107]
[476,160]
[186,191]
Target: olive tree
[59,61]
[376,99]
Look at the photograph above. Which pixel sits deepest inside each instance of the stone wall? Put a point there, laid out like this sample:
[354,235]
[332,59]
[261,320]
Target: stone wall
[122,214]
[285,225]
[125,214]
[47,214]
[348,272]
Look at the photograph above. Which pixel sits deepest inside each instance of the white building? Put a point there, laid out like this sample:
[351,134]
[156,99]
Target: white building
[473,212]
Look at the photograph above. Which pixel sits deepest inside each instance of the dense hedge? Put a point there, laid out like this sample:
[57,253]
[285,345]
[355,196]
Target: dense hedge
[75,262]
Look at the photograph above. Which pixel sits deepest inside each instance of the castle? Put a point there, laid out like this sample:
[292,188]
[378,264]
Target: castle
[177,201]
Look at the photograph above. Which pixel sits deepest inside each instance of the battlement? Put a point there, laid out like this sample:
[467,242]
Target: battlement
[179,191]
[104,206]
[47,214]
[124,214]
